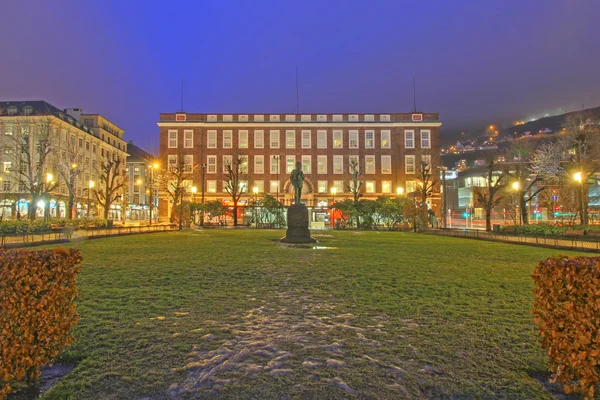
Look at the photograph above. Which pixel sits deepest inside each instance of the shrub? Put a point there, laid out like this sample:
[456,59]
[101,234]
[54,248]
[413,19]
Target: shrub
[37,310]
[567,314]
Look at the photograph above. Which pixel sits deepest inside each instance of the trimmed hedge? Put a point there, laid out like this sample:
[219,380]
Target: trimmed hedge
[25,226]
[37,310]
[567,314]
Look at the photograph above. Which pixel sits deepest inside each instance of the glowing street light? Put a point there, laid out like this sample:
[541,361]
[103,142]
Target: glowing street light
[577,177]
[194,190]
[516,185]
[400,191]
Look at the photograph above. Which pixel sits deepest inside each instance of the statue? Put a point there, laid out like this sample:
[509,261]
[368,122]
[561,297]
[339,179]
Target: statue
[297,179]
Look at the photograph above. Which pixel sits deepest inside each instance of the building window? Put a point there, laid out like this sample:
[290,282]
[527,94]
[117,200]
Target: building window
[369,139]
[306,164]
[274,135]
[6,186]
[7,166]
[322,186]
[188,163]
[136,188]
[8,129]
[259,164]
[338,164]
[290,164]
[386,164]
[386,187]
[211,164]
[306,139]
[338,139]
[290,139]
[409,139]
[211,139]
[94,148]
[321,164]
[410,164]
[353,164]
[410,186]
[353,139]
[260,185]
[244,166]
[275,164]
[274,186]
[370,186]
[339,186]
[243,139]
[136,168]
[172,162]
[227,160]
[426,159]
[136,198]
[188,139]
[227,139]
[211,186]
[369,164]
[386,142]
[259,139]
[425,143]
[321,139]
[172,139]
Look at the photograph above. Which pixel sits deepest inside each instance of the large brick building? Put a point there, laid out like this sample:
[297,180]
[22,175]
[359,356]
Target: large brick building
[387,147]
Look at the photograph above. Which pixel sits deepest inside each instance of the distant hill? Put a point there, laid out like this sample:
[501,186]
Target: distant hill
[554,123]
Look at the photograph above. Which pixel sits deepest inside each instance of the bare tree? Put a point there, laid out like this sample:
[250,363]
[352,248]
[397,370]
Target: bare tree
[490,196]
[175,180]
[518,169]
[28,150]
[355,183]
[112,181]
[235,183]
[427,182]
[68,168]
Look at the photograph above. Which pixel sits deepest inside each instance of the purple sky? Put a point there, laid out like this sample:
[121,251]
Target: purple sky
[475,61]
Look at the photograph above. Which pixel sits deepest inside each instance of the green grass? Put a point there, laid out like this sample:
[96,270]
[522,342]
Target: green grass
[443,317]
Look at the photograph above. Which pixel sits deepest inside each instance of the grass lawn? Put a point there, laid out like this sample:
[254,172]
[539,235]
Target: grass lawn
[235,314]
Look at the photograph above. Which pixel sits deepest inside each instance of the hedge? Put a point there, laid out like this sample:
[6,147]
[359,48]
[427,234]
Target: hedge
[25,226]
[567,314]
[37,310]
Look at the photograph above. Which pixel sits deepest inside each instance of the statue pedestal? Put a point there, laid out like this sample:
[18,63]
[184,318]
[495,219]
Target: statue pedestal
[297,222]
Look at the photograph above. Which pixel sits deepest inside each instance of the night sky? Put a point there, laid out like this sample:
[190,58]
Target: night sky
[475,61]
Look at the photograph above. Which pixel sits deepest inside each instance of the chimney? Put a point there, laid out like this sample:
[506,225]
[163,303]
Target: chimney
[74,112]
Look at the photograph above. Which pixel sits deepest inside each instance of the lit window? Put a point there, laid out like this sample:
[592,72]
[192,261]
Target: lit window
[260,185]
[410,164]
[353,164]
[385,139]
[274,139]
[321,164]
[244,165]
[426,159]
[275,164]
[386,187]
[339,186]
[306,164]
[290,164]
[353,139]
[290,139]
[259,164]
[274,186]
[172,162]
[227,162]
[425,143]
[211,186]
[321,139]
[409,139]
[211,164]
[338,164]
[259,139]
[7,166]
[243,139]
[370,186]
[212,139]
[322,186]
[306,139]
[410,186]
[369,139]
[369,164]
[338,141]
[188,139]
[8,129]
[227,139]
[172,139]
[386,164]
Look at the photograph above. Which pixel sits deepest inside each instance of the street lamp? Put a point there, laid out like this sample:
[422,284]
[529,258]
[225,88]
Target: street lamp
[90,186]
[203,189]
[400,191]
[152,168]
[517,186]
[194,190]
[578,176]
[255,191]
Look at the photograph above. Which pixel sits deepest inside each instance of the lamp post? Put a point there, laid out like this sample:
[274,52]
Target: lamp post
[276,158]
[194,190]
[255,191]
[152,168]
[90,186]
[49,178]
[203,189]
[445,207]
[516,186]
[578,176]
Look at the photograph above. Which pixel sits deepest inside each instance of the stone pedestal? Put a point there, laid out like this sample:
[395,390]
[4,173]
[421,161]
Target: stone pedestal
[297,222]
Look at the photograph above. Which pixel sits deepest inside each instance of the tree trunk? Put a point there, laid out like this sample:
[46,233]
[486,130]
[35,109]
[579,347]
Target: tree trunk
[70,204]
[106,210]
[524,213]
[235,210]
[32,208]
[488,219]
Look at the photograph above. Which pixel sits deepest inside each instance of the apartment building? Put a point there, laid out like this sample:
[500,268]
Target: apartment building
[142,172]
[387,148]
[77,145]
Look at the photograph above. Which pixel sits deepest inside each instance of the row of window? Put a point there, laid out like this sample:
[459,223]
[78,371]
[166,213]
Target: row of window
[336,141]
[353,164]
[323,187]
[303,118]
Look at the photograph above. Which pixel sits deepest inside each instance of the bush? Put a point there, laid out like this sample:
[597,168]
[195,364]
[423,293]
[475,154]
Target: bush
[567,314]
[37,310]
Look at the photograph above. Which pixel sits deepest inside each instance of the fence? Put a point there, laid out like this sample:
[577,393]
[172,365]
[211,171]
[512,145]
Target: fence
[60,236]
[542,241]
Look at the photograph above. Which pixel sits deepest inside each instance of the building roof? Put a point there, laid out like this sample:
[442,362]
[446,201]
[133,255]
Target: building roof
[137,154]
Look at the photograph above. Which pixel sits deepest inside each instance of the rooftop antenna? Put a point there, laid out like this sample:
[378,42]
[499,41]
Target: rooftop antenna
[182,94]
[297,101]
[414,94]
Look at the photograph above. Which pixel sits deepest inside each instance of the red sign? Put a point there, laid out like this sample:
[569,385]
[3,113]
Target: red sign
[180,117]
[417,117]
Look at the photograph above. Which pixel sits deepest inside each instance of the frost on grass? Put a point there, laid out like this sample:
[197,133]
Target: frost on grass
[286,339]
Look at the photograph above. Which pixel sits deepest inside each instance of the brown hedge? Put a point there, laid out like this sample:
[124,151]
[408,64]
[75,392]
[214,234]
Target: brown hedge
[567,314]
[37,310]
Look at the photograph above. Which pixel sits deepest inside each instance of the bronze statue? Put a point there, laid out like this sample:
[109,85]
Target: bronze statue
[297,179]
